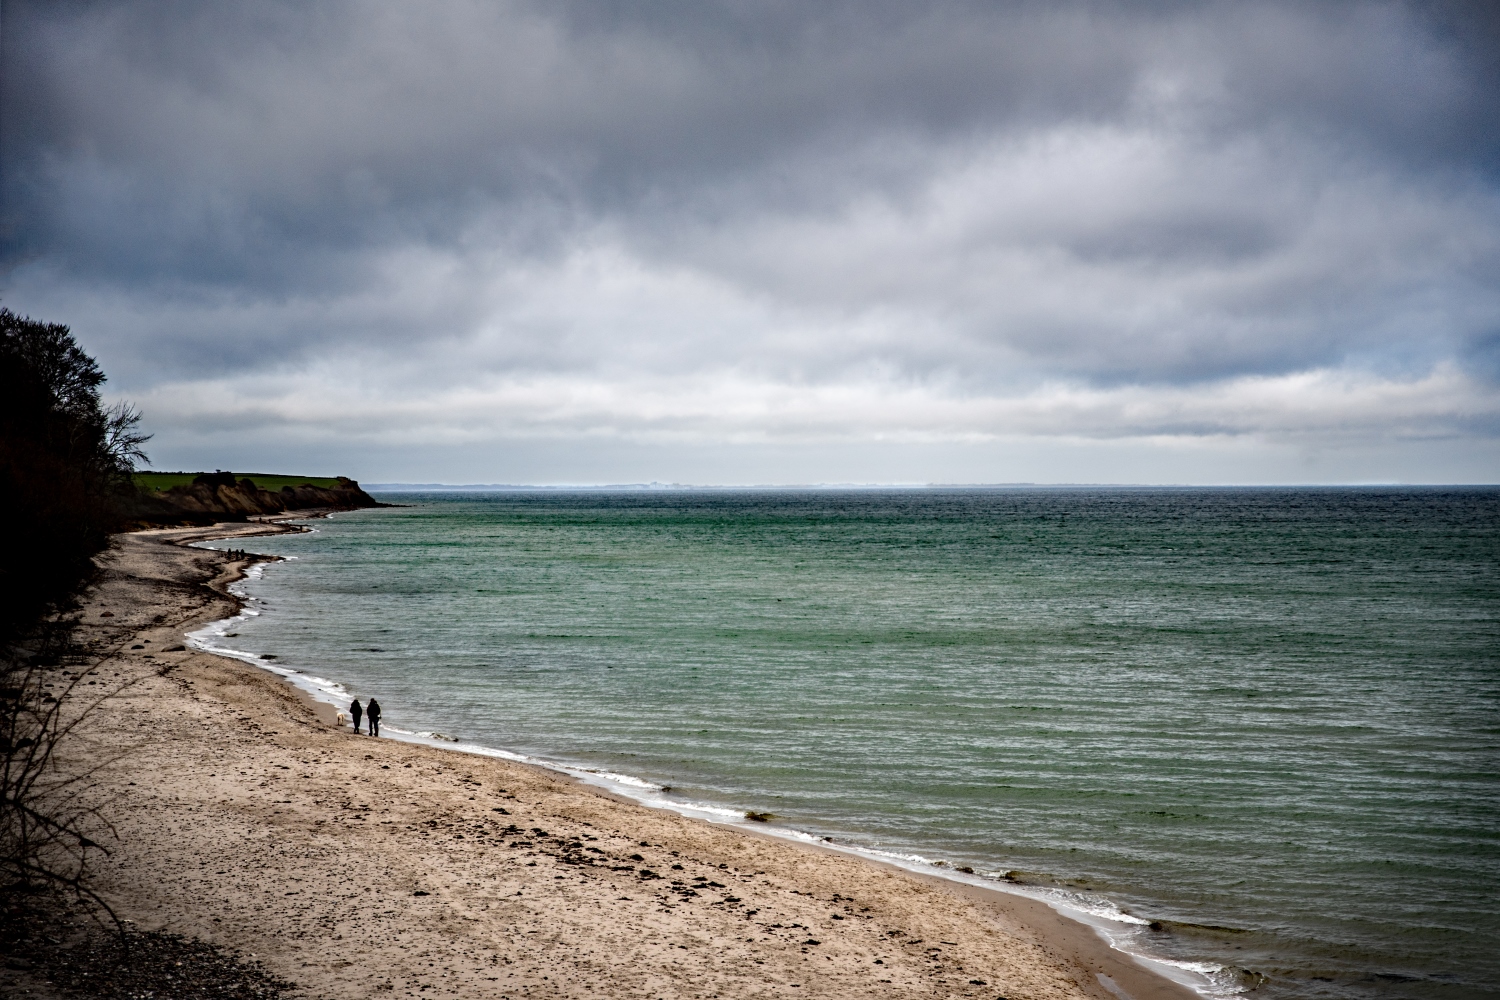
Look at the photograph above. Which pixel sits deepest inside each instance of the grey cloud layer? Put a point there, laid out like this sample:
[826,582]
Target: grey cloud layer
[973,200]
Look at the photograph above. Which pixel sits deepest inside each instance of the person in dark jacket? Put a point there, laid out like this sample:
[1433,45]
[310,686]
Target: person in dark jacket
[356,711]
[372,712]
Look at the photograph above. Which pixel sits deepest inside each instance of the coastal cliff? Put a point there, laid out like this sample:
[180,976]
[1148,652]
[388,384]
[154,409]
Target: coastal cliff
[218,496]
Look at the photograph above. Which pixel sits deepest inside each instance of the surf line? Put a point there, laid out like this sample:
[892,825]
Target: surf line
[1113,925]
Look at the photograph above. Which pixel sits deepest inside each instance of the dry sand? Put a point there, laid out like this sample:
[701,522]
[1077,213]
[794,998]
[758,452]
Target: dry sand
[362,867]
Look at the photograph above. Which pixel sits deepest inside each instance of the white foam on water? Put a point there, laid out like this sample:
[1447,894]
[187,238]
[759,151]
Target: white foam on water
[1115,926]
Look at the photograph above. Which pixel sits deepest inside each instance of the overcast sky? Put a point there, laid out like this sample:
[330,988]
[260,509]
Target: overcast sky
[772,242]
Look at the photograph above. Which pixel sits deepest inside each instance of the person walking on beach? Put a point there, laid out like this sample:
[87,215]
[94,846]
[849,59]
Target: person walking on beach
[356,711]
[372,712]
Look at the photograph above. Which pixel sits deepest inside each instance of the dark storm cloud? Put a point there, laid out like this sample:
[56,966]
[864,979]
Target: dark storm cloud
[975,199]
[353,123]
[210,135]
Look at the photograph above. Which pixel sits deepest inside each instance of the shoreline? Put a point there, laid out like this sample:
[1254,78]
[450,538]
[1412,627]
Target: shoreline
[328,696]
[1045,953]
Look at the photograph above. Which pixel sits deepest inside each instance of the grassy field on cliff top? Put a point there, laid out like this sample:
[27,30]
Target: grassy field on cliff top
[166,480]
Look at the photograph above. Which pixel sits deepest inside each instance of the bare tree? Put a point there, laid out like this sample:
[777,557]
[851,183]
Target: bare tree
[51,824]
[123,438]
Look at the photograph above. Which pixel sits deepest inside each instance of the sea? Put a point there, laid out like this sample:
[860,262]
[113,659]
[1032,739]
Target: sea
[1251,734]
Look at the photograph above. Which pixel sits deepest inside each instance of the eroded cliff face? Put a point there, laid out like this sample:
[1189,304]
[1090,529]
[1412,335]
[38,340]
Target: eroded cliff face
[220,492]
[220,497]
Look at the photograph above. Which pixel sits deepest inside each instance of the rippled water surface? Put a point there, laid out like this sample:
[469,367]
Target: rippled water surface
[1265,719]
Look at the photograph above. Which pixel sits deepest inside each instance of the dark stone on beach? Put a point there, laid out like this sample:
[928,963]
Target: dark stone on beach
[175,649]
[636,857]
[419,892]
[965,869]
[51,952]
[137,646]
[1155,925]
[811,941]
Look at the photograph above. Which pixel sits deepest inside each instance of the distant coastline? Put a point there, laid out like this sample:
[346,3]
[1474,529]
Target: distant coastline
[688,487]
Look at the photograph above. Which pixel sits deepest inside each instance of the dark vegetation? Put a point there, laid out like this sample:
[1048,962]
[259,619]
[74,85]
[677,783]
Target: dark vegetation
[66,467]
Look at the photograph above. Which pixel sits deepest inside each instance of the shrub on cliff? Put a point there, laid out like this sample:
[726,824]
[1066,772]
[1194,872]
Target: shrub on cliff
[65,465]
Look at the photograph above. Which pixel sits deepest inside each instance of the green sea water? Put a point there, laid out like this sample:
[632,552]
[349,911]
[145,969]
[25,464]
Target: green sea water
[1266,720]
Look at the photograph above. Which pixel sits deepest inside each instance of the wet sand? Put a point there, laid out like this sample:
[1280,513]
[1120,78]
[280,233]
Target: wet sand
[361,867]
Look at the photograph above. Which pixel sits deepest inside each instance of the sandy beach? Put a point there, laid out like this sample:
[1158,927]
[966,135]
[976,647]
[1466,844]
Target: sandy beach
[358,867]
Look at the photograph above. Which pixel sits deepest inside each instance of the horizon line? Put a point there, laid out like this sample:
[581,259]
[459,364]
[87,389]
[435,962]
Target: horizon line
[391,487]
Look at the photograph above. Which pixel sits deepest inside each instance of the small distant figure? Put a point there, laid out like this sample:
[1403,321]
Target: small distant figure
[356,711]
[373,714]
